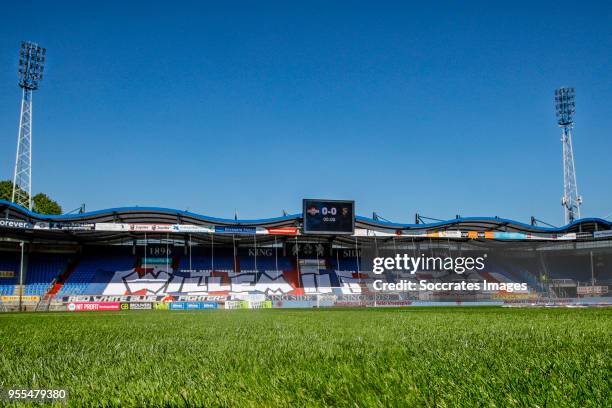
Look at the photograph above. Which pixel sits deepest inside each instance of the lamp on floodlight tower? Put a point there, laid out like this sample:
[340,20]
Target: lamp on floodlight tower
[565,107]
[31,67]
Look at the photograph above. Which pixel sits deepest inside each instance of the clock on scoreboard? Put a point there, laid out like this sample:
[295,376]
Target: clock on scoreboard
[329,216]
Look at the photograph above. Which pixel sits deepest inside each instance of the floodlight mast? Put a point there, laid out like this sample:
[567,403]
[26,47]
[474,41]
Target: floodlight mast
[565,107]
[31,67]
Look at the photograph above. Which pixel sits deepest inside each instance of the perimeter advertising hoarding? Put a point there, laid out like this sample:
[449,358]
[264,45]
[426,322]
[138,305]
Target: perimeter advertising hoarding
[136,306]
[328,216]
[142,298]
[192,305]
[25,298]
[92,306]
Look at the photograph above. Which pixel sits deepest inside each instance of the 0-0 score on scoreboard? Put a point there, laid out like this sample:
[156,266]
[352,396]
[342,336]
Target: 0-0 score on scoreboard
[328,216]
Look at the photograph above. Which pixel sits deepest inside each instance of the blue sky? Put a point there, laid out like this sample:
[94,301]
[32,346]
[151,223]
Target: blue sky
[440,108]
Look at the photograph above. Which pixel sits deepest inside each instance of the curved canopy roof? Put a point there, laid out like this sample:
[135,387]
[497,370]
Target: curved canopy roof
[158,215]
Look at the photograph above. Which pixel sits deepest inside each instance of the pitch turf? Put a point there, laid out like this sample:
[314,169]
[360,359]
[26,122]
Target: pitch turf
[366,357]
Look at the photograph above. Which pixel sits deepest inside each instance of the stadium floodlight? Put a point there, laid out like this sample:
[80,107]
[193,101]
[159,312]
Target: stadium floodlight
[31,67]
[565,106]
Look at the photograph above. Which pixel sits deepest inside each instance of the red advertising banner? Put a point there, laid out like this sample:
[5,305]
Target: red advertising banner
[282,231]
[92,306]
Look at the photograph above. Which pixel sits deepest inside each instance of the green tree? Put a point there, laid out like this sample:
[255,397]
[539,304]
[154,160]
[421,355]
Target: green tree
[6,190]
[42,204]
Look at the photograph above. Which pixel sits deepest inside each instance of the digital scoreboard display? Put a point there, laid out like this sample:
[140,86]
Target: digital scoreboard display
[329,216]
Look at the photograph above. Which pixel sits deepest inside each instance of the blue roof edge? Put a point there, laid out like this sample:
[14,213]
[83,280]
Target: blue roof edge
[383,224]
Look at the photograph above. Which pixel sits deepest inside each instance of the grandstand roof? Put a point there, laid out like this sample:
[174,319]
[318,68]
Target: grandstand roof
[157,215]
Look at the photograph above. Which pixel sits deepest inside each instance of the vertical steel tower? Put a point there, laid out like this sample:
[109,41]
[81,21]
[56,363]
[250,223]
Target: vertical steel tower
[565,106]
[31,66]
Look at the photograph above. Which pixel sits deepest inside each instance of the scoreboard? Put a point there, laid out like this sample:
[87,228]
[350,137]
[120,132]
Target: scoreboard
[328,216]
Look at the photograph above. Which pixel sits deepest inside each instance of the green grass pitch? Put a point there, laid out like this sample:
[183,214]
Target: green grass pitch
[336,357]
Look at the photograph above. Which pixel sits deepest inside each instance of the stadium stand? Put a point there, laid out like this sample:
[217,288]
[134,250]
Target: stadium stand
[9,265]
[43,270]
[94,271]
[116,270]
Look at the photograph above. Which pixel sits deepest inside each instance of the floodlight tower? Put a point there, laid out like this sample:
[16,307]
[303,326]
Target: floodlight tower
[565,106]
[31,66]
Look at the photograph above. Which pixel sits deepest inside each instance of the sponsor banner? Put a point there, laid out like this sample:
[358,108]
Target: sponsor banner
[69,226]
[110,226]
[156,261]
[379,297]
[554,237]
[602,234]
[513,295]
[373,303]
[192,305]
[450,234]
[250,297]
[299,304]
[592,290]
[482,235]
[150,227]
[136,306]
[143,298]
[92,306]
[193,228]
[237,304]
[414,234]
[8,223]
[282,231]
[509,235]
[265,304]
[493,235]
[74,226]
[7,274]
[290,304]
[161,305]
[361,232]
[226,229]
[25,298]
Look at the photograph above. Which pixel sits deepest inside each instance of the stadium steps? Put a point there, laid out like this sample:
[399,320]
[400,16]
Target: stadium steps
[54,289]
[57,286]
